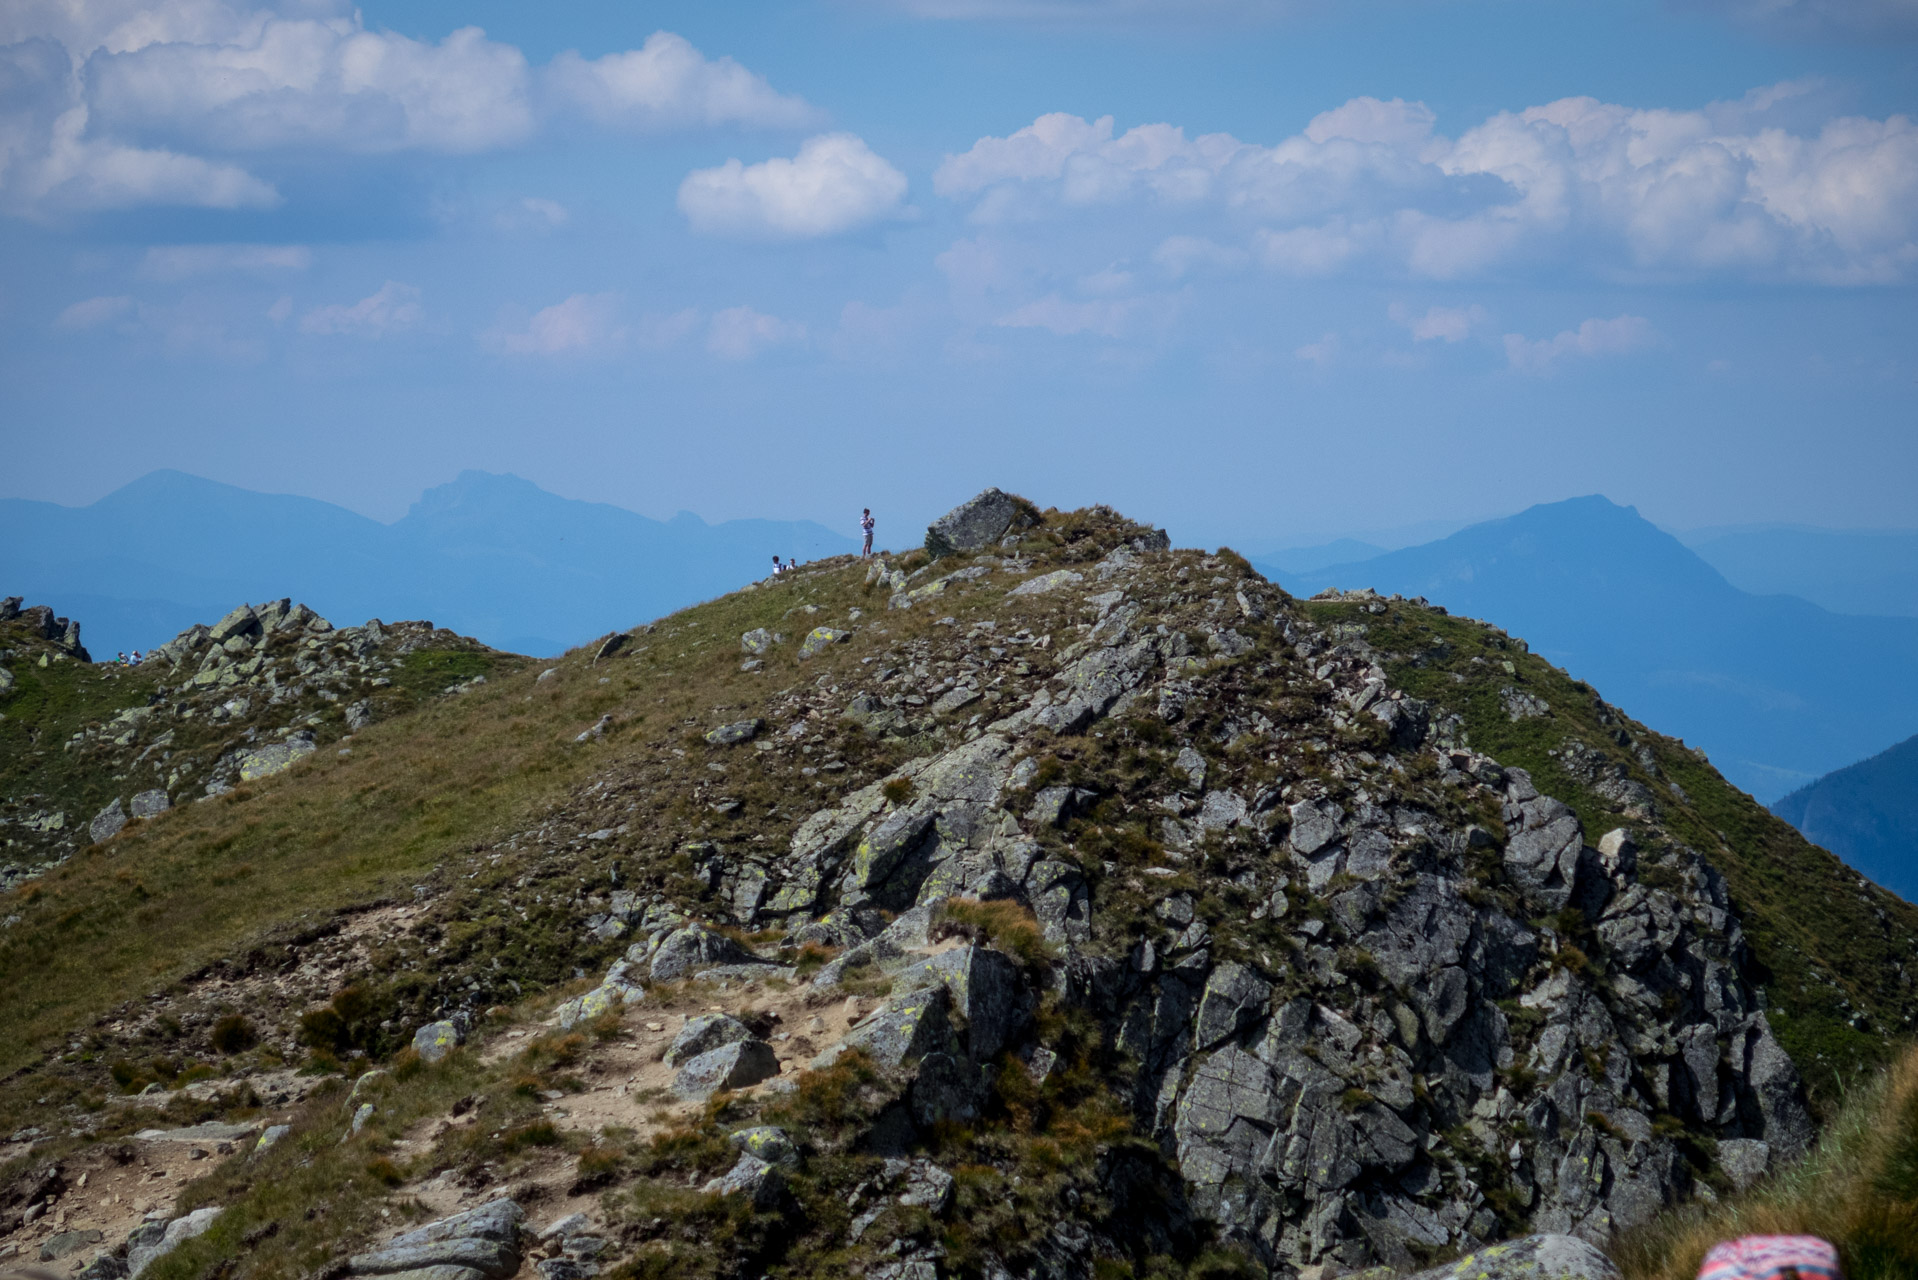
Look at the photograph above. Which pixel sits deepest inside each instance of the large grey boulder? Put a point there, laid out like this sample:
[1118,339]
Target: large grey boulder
[973,525]
[107,823]
[728,735]
[276,757]
[904,1029]
[498,1220]
[491,1258]
[696,947]
[986,992]
[753,1178]
[704,1034]
[767,1142]
[758,642]
[820,639]
[147,804]
[437,1039]
[731,1066]
[153,1241]
[1532,1258]
[241,622]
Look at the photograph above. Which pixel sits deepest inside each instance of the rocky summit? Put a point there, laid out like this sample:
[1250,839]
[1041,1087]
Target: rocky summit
[1044,902]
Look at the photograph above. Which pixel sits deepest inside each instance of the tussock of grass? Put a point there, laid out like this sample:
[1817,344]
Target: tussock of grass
[1003,923]
[1857,1189]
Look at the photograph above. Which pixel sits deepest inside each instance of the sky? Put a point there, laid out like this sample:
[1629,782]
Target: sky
[1265,272]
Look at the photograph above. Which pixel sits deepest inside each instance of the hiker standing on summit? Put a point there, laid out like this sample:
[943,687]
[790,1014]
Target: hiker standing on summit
[866,523]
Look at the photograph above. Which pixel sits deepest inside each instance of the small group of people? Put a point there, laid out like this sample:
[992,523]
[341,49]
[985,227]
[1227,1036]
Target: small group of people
[124,661]
[866,523]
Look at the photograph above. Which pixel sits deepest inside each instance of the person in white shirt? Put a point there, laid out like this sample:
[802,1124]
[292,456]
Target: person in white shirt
[865,524]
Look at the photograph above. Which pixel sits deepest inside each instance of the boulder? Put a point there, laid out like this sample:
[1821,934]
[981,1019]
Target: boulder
[904,1029]
[755,1179]
[67,1242]
[975,524]
[820,639]
[1046,582]
[985,989]
[492,1259]
[704,1034]
[107,823]
[758,642]
[276,757]
[731,1066]
[727,735]
[241,622]
[147,804]
[769,1143]
[153,1241]
[498,1220]
[1532,1258]
[696,947]
[437,1039]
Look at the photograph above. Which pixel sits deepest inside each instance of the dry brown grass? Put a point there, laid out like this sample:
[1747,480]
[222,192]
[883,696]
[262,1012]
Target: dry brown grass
[1857,1189]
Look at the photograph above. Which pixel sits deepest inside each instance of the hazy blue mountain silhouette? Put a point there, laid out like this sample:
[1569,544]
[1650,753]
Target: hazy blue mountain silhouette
[492,556]
[1776,690]
[1843,570]
[1867,814]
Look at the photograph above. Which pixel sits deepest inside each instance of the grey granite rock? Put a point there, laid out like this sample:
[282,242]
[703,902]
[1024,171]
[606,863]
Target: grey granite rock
[731,1066]
[703,1034]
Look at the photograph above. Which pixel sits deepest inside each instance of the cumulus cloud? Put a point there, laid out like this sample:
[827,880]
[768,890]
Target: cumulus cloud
[92,313]
[583,322]
[1444,324]
[1594,337]
[740,333]
[1320,353]
[1576,183]
[116,103]
[179,261]
[834,185]
[393,308]
[1107,317]
[667,84]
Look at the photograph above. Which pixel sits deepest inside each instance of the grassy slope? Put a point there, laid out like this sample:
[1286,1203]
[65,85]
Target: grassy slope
[1832,950]
[204,880]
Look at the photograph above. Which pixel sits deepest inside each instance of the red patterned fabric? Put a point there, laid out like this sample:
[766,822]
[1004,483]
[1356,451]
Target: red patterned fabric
[1770,1258]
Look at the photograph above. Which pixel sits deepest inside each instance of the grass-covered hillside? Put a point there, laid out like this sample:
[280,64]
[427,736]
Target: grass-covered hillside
[1067,905]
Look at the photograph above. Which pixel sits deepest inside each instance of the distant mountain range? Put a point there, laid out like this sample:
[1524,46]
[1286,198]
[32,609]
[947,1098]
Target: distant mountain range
[1775,689]
[1867,814]
[491,556]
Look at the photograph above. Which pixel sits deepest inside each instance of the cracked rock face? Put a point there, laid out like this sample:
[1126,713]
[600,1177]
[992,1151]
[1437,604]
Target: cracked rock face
[1417,1054]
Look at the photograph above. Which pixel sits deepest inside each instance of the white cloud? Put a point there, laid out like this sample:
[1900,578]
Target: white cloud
[393,308]
[92,313]
[116,103]
[583,322]
[1107,317]
[668,83]
[1594,337]
[1320,353]
[1575,183]
[835,184]
[179,261]
[1445,324]
[740,333]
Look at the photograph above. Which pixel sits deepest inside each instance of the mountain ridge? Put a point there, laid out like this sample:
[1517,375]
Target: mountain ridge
[1767,684]
[486,554]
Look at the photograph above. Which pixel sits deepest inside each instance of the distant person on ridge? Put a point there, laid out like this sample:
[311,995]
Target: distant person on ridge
[865,524]
[778,568]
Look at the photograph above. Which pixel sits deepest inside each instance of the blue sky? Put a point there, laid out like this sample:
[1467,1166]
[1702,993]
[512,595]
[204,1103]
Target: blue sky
[1263,272]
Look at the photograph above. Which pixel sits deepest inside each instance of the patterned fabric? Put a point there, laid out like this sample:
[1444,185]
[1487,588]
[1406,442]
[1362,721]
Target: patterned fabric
[1771,1258]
